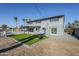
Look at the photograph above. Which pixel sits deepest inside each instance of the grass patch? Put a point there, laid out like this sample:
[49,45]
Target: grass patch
[32,41]
[20,36]
[28,38]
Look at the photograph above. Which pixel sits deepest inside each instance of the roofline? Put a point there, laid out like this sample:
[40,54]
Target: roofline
[46,18]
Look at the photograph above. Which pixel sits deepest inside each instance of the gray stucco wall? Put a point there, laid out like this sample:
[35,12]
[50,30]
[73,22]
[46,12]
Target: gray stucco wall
[48,25]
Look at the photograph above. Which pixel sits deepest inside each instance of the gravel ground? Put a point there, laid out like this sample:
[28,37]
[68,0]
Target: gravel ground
[53,46]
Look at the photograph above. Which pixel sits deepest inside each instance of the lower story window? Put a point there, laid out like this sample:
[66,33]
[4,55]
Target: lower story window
[37,28]
[54,30]
[31,30]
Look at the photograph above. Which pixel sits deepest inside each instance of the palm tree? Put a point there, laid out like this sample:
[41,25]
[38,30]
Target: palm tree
[15,18]
[24,20]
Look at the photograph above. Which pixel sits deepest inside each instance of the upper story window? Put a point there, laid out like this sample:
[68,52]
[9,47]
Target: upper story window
[30,22]
[54,19]
[38,21]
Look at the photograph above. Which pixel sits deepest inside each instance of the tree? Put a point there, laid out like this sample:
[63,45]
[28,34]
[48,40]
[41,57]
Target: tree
[24,20]
[76,21]
[15,19]
[4,27]
[69,24]
[21,27]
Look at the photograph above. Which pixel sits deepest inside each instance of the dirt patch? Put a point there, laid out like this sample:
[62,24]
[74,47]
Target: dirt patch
[46,47]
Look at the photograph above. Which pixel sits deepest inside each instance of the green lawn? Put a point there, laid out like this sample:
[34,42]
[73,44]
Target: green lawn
[28,38]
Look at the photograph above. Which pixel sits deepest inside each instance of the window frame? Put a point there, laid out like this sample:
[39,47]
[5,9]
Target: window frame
[54,19]
[54,30]
[38,22]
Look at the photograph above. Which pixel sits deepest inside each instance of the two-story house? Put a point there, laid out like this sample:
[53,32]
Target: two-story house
[48,26]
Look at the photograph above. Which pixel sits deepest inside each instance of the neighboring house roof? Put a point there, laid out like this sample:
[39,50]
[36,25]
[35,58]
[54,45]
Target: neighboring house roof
[46,18]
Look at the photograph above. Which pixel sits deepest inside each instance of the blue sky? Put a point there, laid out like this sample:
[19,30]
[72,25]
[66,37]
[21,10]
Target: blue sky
[8,11]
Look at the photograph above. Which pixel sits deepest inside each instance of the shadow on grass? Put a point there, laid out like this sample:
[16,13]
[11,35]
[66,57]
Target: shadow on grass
[20,44]
[24,40]
[10,35]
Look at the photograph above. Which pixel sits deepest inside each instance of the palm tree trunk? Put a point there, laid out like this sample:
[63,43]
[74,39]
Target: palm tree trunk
[16,24]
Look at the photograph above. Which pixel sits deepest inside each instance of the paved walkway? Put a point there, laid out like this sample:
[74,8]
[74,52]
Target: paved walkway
[66,45]
[64,37]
